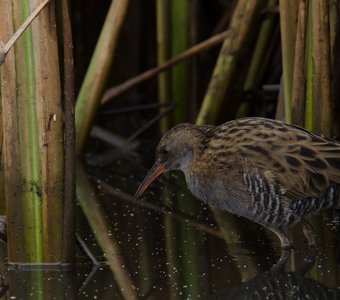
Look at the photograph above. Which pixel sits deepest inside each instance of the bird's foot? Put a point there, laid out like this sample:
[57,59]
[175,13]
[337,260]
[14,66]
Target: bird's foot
[286,247]
[285,253]
[284,240]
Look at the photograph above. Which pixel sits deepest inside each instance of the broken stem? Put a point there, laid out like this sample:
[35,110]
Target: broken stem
[122,88]
[5,48]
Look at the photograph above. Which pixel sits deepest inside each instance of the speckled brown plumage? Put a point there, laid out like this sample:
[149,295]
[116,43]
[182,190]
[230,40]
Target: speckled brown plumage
[268,171]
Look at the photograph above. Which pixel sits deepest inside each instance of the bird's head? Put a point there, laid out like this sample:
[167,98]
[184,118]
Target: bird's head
[175,151]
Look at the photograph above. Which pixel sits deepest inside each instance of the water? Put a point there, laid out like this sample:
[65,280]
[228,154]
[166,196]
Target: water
[182,261]
[179,255]
[222,280]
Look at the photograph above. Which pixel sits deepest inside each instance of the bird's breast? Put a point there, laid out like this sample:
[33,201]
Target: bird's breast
[218,191]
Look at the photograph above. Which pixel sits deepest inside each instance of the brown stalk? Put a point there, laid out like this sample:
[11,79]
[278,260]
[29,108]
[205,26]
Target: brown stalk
[298,92]
[32,137]
[9,74]
[322,68]
[5,48]
[336,70]
[68,255]
[124,87]
[280,107]
[288,15]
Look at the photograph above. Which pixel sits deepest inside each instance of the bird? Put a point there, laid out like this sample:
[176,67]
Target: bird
[268,171]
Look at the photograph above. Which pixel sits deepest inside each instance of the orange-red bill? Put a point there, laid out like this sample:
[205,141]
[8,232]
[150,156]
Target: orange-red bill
[155,171]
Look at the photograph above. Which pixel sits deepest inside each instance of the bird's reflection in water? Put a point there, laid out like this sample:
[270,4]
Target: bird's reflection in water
[280,284]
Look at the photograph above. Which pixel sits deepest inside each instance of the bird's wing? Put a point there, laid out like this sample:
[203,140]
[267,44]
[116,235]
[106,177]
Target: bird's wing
[303,167]
[302,163]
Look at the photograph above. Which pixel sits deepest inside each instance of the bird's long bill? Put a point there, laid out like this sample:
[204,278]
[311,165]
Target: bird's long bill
[155,171]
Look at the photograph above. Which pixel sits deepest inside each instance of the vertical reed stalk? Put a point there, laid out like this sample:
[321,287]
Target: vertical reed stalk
[322,100]
[259,52]
[180,29]
[164,95]
[67,75]
[288,19]
[2,175]
[321,54]
[260,48]
[309,71]
[180,41]
[241,26]
[33,136]
[163,53]
[336,65]
[299,79]
[312,69]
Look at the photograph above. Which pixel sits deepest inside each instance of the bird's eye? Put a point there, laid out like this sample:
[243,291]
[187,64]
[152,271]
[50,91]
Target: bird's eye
[162,155]
[164,152]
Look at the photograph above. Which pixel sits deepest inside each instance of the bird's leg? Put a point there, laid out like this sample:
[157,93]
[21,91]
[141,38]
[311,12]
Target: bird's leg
[284,240]
[307,230]
[285,253]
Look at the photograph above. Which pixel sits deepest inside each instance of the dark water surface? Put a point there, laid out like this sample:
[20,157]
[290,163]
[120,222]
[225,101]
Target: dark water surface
[185,262]
[99,283]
